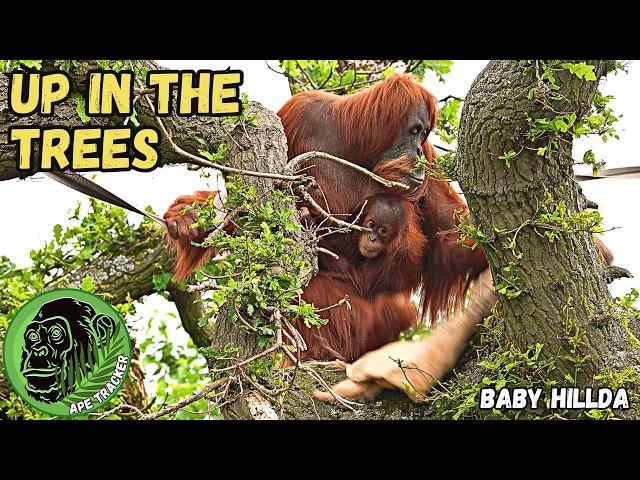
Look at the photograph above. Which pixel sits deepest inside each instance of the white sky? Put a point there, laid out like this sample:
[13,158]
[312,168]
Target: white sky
[28,222]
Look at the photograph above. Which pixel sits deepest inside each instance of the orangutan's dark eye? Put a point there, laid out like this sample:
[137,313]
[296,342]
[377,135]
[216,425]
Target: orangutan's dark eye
[416,129]
[382,231]
[371,224]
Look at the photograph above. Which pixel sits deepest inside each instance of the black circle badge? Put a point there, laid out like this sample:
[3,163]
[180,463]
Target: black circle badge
[67,352]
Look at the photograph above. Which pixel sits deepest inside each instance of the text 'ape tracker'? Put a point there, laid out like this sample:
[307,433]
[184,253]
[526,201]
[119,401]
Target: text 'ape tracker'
[113,145]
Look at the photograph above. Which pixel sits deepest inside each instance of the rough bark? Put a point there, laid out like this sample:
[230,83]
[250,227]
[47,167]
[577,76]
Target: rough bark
[564,283]
[190,310]
[126,273]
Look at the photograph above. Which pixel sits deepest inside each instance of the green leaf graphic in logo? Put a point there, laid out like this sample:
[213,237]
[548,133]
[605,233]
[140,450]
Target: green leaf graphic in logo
[67,352]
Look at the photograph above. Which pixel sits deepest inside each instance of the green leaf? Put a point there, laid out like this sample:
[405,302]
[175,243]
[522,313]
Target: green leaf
[87,284]
[161,280]
[57,232]
[80,108]
[37,64]
[581,70]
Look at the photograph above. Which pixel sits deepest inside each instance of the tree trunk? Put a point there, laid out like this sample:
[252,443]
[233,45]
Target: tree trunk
[563,283]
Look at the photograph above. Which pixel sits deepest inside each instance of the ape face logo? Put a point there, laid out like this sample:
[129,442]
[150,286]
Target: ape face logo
[67,352]
[45,353]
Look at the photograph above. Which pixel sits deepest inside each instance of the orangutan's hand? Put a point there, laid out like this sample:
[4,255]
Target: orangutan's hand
[416,366]
[380,369]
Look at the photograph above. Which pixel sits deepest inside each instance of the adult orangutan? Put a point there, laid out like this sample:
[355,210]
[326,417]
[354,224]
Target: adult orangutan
[384,129]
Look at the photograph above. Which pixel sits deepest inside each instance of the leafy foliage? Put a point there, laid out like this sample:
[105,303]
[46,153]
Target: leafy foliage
[503,367]
[508,282]
[625,305]
[581,70]
[174,368]
[261,266]
[555,219]
[600,120]
[589,158]
[468,230]
[346,76]
[11,65]
[449,120]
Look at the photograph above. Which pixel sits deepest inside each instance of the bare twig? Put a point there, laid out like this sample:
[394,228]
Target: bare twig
[294,331]
[327,215]
[343,230]
[335,305]
[354,85]
[293,164]
[450,97]
[116,409]
[204,285]
[327,252]
[304,72]
[187,401]
[442,148]
[273,69]
[194,159]
[235,366]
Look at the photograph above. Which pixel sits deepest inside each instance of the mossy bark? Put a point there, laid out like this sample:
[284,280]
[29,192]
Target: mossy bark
[564,282]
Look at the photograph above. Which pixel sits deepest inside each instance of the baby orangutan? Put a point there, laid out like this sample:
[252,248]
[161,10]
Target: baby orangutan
[395,244]
[380,305]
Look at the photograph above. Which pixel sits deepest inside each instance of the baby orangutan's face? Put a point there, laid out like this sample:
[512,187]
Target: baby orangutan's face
[384,216]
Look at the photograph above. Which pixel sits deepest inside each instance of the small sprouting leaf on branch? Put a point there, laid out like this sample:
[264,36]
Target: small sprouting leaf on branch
[589,158]
[556,219]
[470,231]
[508,285]
[508,156]
[347,76]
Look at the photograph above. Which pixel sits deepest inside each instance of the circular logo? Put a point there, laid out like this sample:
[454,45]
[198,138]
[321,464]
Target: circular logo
[67,352]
